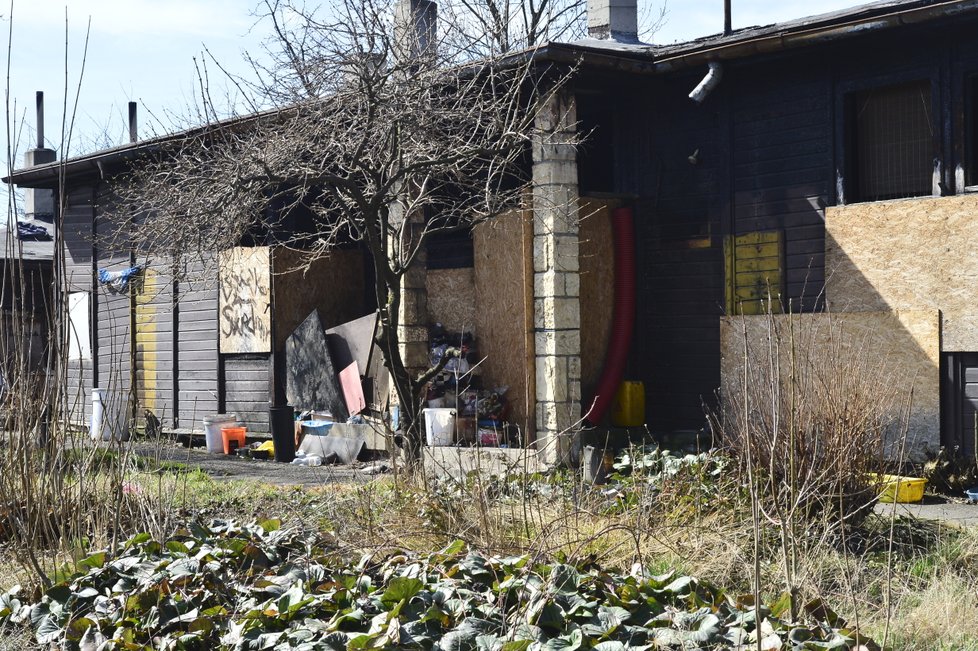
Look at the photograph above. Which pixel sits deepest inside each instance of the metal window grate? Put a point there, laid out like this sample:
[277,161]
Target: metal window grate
[894,142]
[450,250]
[971,133]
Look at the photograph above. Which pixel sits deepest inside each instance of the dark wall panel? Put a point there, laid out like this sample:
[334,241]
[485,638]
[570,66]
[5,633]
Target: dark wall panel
[679,249]
[197,377]
[761,154]
[247,383]
[781,140]
[113,323]
[77,235]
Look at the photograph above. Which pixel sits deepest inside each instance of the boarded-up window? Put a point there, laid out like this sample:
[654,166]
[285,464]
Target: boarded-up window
[754,272]
[79,333]
[245,300]
[892,144]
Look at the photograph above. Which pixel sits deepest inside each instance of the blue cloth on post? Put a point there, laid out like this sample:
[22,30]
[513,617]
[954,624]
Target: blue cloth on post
[118,281]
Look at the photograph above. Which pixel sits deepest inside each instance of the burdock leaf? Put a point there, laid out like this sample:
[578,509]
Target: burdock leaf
[401,588]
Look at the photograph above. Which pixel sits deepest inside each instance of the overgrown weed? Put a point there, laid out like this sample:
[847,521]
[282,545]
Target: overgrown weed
[695,522]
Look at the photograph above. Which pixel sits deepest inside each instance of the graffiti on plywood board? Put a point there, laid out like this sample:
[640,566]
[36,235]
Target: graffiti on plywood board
[245,309]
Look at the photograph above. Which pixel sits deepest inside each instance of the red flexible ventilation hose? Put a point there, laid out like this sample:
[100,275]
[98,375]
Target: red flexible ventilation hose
[624,316]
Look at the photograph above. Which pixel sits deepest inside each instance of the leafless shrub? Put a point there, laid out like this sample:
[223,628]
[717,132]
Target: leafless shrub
[61,494]
[807,408]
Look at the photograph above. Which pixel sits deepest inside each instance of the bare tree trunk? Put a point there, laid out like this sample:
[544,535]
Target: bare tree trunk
[379,141]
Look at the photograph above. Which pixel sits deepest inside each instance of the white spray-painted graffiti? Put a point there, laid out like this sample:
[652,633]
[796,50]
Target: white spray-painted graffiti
[245,309]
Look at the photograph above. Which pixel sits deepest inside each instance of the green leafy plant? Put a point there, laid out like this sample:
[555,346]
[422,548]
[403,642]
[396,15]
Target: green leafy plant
[258,586]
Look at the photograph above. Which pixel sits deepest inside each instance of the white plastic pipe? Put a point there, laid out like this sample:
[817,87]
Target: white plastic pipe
[709,82]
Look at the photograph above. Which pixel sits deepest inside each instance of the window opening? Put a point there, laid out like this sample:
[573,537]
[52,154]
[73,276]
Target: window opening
[450,249]
[892,144]
[79,333]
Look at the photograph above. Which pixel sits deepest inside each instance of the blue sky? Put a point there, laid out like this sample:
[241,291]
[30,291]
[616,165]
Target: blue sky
[145,50]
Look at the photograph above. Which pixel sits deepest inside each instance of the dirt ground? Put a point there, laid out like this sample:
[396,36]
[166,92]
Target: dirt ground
[939,509]
[223,467]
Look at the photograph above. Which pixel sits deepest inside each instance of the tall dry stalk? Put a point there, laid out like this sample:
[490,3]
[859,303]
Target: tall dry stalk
[60,495]
[808,414]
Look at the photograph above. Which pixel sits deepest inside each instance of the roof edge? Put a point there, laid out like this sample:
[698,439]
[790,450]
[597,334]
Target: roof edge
[636,58]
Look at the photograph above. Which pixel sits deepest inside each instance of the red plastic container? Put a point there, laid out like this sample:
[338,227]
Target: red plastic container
[235,435]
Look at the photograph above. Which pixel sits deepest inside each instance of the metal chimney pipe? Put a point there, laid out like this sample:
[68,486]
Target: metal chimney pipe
[727,23]
[133,130]
[40,119]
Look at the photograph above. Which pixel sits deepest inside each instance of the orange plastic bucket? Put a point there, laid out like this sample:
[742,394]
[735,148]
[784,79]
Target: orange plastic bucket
[235,435]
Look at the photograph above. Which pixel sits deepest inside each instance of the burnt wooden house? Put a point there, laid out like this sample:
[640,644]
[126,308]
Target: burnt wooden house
[823,165]
[169,341]
[826,163]
[26,312]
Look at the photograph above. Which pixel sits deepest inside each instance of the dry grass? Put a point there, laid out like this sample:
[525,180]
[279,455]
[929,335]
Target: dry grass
[941,616]
[17,640]
[933,581]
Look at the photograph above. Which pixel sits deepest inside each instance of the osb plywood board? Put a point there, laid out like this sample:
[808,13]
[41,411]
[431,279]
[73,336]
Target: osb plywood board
[907,255]
[503,276]
[597,265]
[959,330]
[244,311]
[892,357]
[451,299]
[333,284]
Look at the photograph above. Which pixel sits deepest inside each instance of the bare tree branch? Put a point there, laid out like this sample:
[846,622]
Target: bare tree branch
[380,143]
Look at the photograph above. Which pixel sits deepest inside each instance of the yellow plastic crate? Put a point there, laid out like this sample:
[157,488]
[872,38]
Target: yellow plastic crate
[896,488]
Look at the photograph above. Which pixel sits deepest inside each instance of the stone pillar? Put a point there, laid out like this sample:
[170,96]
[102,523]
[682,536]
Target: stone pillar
[415,37]
[556,281]
[412,322]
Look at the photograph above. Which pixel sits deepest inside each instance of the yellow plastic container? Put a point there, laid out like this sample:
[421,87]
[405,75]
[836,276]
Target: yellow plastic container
[896,488]
[628,409]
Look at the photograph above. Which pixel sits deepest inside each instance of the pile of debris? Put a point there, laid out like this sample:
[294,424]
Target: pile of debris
[481,413]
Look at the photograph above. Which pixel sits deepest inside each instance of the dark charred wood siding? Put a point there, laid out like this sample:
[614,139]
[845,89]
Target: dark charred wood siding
[959,402]
[781,168]
[770,153]
[679,247]
[197,355]
[113,328]
[246,380]
[77,237]
[173,368]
